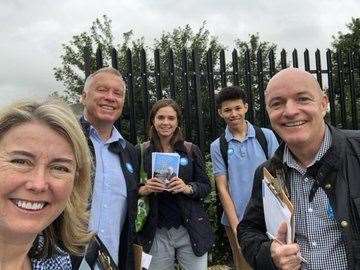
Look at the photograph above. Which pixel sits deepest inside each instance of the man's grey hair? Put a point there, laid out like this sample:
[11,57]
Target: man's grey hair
[110,70]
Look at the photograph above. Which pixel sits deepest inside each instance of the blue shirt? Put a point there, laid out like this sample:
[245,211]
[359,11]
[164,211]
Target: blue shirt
[243,158]
[109,205]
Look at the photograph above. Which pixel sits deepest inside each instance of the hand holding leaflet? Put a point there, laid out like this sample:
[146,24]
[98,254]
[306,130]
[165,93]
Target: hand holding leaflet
[278,209]
[165,166]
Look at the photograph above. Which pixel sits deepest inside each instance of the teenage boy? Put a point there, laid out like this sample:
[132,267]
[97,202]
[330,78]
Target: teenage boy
[235,156]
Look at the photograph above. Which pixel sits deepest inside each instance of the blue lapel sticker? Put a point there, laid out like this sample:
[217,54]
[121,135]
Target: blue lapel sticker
[129,168]
[330,211]
[184,161]
[230,151]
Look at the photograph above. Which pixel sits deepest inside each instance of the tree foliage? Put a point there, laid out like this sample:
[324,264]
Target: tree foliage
[349,41]
[346,46]
[71,72]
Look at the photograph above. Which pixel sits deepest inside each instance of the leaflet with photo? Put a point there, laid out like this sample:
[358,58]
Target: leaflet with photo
[165,166]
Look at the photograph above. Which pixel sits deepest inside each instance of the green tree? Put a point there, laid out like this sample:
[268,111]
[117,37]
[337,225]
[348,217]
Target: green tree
[71,72]
[346,43]
[349,41]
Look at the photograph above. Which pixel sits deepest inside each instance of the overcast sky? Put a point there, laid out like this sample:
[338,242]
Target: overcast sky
[32,31]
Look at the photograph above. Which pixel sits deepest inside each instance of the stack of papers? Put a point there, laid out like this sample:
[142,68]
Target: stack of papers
[277,207]
[165,166]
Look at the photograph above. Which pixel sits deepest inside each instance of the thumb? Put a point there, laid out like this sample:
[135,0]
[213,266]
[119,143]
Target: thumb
[282,232]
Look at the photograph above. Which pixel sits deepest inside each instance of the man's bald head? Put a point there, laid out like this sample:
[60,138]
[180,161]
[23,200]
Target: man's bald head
[291,76]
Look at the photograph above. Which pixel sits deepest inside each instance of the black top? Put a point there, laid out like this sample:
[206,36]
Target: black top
[171,210]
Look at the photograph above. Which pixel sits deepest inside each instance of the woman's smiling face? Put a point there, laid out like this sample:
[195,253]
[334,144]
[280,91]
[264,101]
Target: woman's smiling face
[165,122]
[37,171]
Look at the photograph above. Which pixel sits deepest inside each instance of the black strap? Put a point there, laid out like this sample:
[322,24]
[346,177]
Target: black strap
[259,135]
[224,146]
[98,252]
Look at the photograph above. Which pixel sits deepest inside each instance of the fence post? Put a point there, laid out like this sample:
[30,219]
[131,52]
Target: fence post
[271,63]
[223,69]
[198,103]
[261,89]
[87,62]
[210,80]
[248,90]
[331,87]
[185,83]
[306,60]
[99,58]
[283,59]
[354,117]
[318,67]
[145,92]
[340,76]
[172,74]
[295,59]
[235,66]
[133,138]
[114,59]
[157,74]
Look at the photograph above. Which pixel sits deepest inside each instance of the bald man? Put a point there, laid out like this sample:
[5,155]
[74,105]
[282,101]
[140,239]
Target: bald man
[319,166]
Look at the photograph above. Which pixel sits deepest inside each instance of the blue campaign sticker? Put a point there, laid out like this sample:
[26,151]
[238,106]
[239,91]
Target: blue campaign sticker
[230,151]
[184,161]
[129,168]
[330,211]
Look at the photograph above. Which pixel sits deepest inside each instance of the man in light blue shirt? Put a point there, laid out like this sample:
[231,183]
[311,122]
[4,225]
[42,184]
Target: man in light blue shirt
[113,202]
[244,154]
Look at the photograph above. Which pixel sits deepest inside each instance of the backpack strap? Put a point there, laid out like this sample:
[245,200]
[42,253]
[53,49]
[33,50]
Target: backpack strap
[224,146]
[189,148]
[260,136]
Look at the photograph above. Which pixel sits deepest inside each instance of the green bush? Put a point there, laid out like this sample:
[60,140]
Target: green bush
[221,251]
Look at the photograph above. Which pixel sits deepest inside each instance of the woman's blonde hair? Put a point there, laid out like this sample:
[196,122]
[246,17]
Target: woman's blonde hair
[69,231]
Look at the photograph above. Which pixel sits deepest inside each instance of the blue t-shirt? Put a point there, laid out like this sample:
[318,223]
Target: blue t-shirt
[243,158]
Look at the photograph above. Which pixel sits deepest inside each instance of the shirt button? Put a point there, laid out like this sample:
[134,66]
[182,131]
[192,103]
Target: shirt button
[102,231]
[105,205]
[314,244]
[328,186]
[344,223]
[306,179]
[310,210]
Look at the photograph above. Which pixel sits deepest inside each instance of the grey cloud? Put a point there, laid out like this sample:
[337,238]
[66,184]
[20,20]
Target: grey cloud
[32,31]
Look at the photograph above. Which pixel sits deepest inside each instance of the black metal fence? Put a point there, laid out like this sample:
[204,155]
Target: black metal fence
[192,79]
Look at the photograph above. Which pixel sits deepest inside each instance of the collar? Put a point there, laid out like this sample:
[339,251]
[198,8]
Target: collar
[331,159]
[289,159]
[91,130]
[250,132]
[178,147]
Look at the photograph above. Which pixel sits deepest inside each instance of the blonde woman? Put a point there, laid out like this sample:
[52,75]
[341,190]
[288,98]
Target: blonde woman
[45,169]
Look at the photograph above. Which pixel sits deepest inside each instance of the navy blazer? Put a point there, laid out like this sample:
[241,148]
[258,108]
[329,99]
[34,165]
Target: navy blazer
[193,215]
[127,235]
